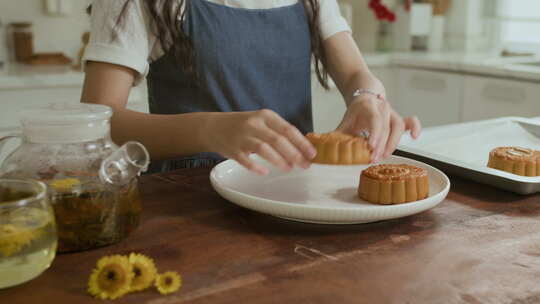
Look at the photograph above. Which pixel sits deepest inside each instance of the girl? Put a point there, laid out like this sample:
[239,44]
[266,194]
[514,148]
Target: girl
[230,77]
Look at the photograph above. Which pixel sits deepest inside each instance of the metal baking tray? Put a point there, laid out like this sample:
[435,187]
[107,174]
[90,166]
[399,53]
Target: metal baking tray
[463,150]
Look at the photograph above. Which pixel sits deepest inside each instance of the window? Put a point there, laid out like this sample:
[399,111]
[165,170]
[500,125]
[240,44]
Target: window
[519,24]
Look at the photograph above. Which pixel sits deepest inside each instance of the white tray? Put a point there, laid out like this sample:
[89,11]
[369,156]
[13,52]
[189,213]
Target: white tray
[463,149]
[322,194]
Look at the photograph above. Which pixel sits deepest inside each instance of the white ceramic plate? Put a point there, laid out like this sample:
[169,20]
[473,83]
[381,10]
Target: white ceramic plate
[323,194]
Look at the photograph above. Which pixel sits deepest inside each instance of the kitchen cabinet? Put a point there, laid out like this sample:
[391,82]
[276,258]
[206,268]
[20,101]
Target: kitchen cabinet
[435,97]
[487,97]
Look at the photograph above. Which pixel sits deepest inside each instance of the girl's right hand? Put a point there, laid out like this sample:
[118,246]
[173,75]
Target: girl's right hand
[236,135]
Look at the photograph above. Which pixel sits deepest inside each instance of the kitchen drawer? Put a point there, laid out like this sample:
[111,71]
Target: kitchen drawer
[491,97]
[435,97]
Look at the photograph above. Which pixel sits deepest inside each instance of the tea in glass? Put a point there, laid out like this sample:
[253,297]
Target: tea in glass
[28,237]
[90,215]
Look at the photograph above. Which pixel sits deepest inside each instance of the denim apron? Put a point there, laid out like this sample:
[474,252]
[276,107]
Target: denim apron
[246,59]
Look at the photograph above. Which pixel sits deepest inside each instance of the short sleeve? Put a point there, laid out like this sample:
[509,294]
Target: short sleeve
[126,43]
[331,21]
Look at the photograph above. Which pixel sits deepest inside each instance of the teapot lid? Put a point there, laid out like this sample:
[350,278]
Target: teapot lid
[65,114]
[66,122]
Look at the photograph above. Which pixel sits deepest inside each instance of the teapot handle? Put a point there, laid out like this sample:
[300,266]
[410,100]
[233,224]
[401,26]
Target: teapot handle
[5,138]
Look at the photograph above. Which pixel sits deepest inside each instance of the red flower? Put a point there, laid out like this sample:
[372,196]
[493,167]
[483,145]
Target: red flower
[391,17]
[381,11]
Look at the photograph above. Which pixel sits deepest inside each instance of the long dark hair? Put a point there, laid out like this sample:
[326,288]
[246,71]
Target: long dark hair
[167,19]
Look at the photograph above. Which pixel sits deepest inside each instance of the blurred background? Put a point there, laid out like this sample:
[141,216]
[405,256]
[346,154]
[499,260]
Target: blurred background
[446,61]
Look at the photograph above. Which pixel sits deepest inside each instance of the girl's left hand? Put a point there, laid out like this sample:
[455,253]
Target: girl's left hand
[381,121]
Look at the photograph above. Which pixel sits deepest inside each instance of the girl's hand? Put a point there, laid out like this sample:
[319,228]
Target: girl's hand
[384,125]
[236,135]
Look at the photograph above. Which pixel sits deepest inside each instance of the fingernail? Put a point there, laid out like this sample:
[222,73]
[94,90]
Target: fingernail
[305,164]
[312,153]
[262,171]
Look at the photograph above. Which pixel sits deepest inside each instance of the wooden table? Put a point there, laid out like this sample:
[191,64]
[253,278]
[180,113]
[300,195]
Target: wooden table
[481,245]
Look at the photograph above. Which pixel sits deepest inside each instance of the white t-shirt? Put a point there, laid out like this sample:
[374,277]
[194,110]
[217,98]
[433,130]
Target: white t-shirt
[135,45]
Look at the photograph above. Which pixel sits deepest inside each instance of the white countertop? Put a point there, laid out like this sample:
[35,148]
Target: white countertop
[474,63]
[19,76]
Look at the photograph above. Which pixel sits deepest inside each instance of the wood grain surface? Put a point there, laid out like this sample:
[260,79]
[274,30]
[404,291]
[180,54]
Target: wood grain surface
[481,245]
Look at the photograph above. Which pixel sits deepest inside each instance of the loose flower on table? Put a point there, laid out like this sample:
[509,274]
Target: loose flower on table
[118,275]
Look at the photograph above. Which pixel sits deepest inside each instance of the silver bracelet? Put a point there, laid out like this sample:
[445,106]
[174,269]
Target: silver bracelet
[369,92]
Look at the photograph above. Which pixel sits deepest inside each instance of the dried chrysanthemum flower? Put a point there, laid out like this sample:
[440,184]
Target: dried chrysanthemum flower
[112,278]
[144,271]
[168,282]
[13,239]
[66,184]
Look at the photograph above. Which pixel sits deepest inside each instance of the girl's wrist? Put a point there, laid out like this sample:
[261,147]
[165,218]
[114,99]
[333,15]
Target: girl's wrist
[366,95]
[206,130]
[214,130]
[361,94]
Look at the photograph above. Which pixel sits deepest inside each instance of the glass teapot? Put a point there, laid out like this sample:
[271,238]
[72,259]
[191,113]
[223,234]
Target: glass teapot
[92,182]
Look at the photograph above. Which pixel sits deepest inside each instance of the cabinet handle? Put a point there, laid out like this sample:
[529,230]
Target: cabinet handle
[504,93]
[426,83]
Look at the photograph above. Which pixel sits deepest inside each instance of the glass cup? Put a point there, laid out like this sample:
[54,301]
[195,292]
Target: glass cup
[28,236]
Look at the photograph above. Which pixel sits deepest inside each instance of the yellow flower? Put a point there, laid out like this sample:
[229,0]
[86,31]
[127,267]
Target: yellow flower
[112,278]
[13,239]
[144,271]
[66,184]
[168,282]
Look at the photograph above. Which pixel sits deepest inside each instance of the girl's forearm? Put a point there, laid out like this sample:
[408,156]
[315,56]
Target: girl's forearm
[165,136]
[348,68]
